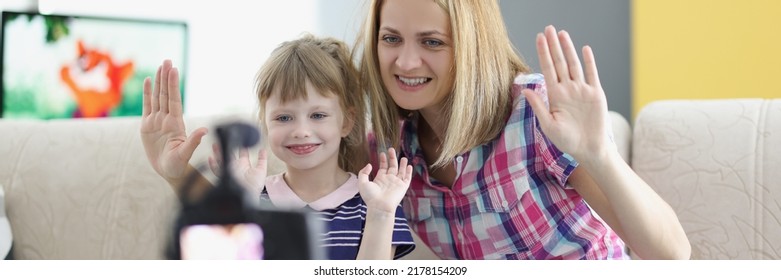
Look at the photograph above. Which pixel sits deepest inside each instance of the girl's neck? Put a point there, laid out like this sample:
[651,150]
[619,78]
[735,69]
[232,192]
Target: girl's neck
[315,183]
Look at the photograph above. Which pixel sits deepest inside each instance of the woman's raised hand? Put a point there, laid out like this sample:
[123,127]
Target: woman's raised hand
[162,128]
[575,120]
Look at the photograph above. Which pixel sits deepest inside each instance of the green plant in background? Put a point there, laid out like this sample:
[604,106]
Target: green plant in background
[56,26]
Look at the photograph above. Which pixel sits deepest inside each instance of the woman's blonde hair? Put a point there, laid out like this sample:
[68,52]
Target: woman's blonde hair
[485,64]
[325,63]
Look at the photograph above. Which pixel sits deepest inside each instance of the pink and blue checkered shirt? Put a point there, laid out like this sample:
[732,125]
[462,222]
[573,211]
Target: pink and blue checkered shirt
[510,199]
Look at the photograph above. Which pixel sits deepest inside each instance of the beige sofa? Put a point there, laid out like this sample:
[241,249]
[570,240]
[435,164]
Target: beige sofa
[82,189]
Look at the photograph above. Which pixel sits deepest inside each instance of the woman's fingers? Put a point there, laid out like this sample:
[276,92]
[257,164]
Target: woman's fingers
[556,54]
[538,107]
[546,63]
[573,62]
[592,76]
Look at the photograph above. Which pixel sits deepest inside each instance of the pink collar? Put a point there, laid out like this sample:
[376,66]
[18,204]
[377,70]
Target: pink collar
[282,196]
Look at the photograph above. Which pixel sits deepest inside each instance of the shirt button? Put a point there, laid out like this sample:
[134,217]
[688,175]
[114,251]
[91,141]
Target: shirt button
[505,204]
[459,159]
[460,236]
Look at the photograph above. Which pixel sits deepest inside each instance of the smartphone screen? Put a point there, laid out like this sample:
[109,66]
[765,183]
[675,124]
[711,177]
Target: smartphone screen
[222,242]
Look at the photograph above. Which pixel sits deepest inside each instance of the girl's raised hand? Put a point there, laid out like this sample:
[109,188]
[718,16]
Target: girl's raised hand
[252,178]
[575,120]
[390,184]
[162,128]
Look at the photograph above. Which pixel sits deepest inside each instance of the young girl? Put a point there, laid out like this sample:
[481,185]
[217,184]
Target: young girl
[495,170]
[314,121]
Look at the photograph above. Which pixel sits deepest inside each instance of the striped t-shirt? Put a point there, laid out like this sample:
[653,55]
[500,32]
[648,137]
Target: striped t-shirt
[344,213]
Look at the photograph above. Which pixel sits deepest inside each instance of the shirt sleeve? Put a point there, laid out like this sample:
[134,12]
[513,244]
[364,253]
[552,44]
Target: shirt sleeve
[555,163]
[402,238]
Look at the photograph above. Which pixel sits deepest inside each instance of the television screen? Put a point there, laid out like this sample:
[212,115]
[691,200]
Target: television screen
[66,66]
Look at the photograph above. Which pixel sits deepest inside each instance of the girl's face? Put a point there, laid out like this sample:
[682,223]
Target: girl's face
[306,133]
[415,52]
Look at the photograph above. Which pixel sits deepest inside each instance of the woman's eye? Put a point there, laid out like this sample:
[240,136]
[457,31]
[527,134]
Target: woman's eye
[390,39]
[283,118]
[433,43]
[318,116]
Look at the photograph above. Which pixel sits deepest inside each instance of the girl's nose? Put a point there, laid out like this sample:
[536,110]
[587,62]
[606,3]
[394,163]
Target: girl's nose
[301,130]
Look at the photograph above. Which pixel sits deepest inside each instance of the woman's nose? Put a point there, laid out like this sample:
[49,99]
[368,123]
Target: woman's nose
[409,58]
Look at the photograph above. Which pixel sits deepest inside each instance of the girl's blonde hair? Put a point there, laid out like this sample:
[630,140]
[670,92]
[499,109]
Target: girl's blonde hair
[326,63]
[485,64]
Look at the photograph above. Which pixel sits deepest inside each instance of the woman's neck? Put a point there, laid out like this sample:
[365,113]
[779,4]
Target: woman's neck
[433,123]
[317,182]
[431,134]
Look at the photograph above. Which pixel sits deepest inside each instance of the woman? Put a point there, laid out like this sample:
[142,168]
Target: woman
[499,173]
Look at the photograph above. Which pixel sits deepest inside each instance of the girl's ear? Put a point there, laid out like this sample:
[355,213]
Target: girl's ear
[349,122]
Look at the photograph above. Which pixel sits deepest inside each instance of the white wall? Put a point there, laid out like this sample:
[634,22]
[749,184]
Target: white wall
[229,39]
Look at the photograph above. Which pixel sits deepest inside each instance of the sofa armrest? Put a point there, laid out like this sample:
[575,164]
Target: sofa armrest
[717,163]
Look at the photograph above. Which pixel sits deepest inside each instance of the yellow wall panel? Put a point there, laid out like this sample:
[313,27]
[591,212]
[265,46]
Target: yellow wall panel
[704,49]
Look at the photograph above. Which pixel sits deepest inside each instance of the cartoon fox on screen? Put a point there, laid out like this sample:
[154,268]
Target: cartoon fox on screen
[96,81]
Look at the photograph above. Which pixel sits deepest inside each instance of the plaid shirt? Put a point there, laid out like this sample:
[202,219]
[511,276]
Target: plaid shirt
[510,199]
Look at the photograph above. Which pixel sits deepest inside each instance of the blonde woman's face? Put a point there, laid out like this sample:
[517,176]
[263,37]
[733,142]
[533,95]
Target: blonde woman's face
[415,51]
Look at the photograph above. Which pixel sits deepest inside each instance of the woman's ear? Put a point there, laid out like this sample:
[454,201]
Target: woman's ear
[349,122]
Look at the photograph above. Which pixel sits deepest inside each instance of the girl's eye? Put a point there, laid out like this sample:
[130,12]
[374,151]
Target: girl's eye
[283,118]
[433,43]
[318,116]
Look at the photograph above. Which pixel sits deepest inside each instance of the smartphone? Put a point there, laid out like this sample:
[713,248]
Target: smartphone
[222,242]
[256,234]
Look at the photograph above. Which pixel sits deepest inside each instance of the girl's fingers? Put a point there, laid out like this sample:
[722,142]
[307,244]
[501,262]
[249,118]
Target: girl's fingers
[402,168]
[174,100]
[163,98]
[383,162]
[147,98]
[214,166]
[244,155]
[262,159]
[363,175]
[217,153]
[155,100]
[393,164]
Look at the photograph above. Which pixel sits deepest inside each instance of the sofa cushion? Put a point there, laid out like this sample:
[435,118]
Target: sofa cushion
[83,189]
